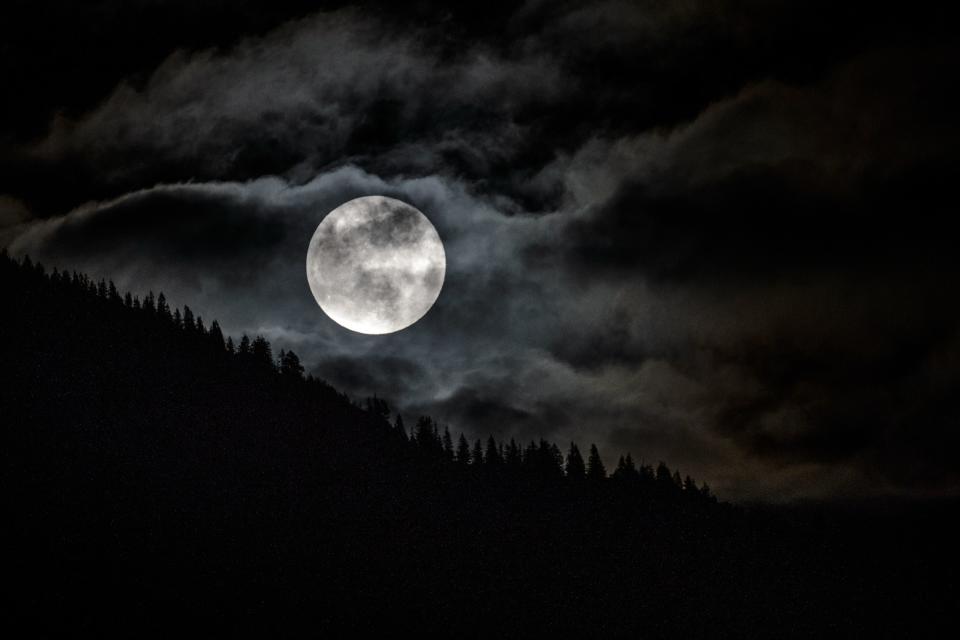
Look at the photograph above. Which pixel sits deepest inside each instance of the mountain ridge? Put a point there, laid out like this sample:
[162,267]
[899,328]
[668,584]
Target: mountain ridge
[157,482]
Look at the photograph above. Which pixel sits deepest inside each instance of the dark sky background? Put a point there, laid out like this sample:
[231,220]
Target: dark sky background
[719,234]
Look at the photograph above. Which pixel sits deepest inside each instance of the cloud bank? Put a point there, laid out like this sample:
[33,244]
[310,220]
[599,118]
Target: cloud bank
[666,230]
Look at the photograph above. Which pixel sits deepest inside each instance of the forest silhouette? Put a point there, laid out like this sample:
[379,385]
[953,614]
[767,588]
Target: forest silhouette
[162,477]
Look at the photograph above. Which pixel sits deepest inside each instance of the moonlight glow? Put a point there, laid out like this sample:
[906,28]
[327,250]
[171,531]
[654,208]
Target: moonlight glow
[375,265]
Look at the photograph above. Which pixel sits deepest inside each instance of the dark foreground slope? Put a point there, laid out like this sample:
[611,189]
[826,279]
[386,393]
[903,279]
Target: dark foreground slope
[155,482]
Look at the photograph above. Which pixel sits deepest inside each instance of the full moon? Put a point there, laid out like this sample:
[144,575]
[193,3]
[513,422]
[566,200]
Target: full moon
[375,265]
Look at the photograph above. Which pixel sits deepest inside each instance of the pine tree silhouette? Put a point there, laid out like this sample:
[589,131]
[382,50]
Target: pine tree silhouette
[447,443]
[476,455]
[216,337]
[575,468]
[163,309]
[259,349]
[425,434]
[513,457]
[663,474]
[463,450]
[595,468]
[491,456]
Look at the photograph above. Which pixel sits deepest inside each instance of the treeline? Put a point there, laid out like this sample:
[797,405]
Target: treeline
[542,459]
[159,477]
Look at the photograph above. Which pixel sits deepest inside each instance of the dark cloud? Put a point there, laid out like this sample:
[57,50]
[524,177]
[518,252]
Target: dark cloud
[12,212]
[782,178]
[383,376]
[186,225]
[718,234]
[310,93]
[823,213]
[857,391]
[488,415]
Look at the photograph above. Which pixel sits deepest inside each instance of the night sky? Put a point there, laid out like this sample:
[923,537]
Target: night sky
[720,234]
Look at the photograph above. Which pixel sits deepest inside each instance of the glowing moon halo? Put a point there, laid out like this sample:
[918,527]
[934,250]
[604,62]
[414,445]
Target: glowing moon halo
[375,265]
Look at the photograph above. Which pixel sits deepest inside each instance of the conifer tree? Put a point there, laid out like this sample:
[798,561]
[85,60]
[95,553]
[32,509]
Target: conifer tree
[188,321]
[216,334]
[375,406]
[513,457]
[447,444]
[595,468]
[163,309]
[705,492]
[626,469]
[576,468]
[476,456]
[663,474]
[492,454]
[621,469]
[646,473]
[463,450]
[425,433]
[556,460]
[291,368]
[530,455]
[260,350]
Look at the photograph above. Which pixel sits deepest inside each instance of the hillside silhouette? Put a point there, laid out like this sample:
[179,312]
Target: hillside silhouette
[160,477]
